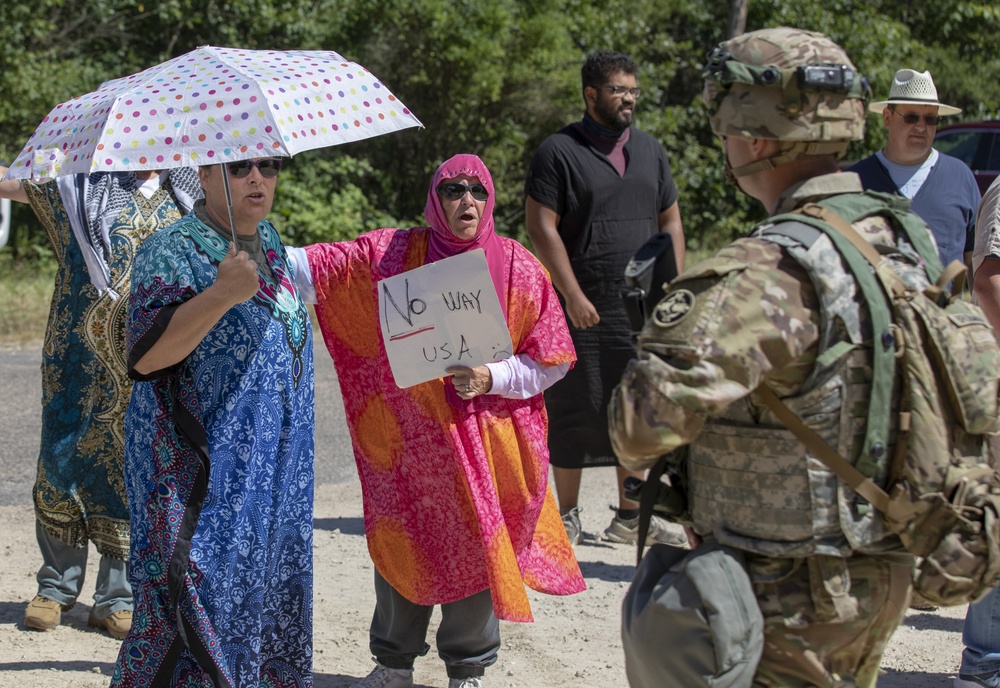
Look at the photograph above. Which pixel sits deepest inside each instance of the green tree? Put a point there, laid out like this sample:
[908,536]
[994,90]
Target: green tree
[482,76]
[491,77]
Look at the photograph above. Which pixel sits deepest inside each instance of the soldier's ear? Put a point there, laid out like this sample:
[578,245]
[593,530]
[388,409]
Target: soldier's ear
[764,148]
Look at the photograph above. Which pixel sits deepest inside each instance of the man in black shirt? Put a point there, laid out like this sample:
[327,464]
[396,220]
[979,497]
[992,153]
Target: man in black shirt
[596,191]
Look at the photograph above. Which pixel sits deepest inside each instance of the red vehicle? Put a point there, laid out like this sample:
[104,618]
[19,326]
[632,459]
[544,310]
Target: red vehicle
[977,144]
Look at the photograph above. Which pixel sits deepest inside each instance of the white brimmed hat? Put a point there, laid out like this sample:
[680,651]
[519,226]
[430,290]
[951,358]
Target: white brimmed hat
[910,87]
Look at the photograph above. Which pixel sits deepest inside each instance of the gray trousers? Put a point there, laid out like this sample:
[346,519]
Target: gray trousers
[468,637]
[64,568]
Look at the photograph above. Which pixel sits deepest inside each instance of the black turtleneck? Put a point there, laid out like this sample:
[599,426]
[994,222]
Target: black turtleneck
[594,127]
[609,142]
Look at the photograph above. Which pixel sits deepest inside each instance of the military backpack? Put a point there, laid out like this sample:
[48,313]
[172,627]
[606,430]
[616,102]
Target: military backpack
[941,496]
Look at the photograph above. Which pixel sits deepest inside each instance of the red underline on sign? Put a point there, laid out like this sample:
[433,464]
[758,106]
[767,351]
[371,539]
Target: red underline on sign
[410,334]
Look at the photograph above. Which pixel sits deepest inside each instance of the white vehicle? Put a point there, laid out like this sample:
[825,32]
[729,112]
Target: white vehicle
[4,221]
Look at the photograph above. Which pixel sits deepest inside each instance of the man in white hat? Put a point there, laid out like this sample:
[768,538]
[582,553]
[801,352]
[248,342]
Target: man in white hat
[941,188]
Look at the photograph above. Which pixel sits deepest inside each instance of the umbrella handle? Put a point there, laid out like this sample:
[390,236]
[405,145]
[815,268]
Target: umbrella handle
[229,200]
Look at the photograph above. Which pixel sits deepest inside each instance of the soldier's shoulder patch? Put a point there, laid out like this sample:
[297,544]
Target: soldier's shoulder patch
[674,308]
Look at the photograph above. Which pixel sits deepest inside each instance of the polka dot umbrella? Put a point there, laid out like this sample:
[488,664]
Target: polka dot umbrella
[213,105]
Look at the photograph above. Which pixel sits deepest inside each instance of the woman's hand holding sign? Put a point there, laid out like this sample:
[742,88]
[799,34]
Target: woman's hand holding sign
[471,382]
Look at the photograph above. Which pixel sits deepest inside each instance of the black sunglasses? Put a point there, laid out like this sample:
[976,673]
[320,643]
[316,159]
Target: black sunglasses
[455,190]
[269,167]
[913,118]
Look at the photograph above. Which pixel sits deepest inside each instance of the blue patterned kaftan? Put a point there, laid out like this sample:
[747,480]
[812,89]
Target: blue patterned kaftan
[219,471]
[79,491]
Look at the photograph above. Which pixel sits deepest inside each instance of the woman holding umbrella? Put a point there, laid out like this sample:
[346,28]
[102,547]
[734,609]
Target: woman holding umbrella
[453,471]
[219,450]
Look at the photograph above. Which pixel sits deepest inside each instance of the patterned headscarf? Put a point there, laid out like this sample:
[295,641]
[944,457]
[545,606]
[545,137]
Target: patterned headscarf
[93,202]
[444,244]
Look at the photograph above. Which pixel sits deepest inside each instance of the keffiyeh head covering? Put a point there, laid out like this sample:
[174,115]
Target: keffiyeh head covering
[93,202]
[444,243]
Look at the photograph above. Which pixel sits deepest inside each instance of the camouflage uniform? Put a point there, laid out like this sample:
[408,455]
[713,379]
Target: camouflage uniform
[831,582]
[748,315]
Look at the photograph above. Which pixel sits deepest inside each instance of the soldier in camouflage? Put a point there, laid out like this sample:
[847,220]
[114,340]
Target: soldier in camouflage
[831,581]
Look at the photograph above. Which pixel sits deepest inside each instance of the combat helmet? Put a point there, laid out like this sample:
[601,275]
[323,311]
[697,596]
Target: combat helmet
[787,84]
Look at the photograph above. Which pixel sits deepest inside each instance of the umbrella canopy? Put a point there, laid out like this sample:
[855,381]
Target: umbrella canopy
[209,106]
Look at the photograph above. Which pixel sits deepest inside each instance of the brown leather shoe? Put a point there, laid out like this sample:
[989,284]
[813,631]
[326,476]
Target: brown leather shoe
[117,624]
[44,614]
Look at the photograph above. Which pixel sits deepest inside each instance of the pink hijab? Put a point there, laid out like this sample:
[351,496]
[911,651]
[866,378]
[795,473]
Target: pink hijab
[444,244]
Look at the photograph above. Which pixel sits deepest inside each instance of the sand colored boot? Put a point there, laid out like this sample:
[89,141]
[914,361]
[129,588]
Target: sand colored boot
[44,614]
[117,624]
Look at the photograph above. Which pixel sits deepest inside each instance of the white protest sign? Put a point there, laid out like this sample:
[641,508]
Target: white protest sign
[439,315]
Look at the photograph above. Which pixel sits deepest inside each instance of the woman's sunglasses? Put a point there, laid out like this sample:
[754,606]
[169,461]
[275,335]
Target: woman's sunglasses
[269,167]
[455,190]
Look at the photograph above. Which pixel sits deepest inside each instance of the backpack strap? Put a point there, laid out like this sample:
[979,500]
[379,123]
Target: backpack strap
[851,246]
[955,272]
[890,280]
[884,352]
[648,496]
[917,232]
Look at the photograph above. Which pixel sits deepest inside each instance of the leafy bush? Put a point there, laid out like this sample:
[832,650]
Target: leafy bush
[321,199]
[490,77]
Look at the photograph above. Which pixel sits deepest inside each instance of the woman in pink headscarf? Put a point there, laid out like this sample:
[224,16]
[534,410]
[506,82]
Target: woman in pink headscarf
[454,472]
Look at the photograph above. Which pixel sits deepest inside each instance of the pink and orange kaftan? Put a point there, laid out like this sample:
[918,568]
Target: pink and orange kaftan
[456,497]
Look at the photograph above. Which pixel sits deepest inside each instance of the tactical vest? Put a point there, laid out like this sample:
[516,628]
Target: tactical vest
[751,481]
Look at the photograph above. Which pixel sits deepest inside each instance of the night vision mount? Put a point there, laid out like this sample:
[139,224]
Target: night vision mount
[833,78]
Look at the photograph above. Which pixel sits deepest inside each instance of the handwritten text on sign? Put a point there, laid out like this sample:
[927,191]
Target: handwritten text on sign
[439,315]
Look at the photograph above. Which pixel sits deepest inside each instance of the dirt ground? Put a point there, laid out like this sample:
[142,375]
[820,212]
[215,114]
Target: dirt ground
[574,642]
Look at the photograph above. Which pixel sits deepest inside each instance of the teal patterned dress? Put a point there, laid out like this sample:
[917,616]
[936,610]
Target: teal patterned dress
[219,470]
[79,491]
